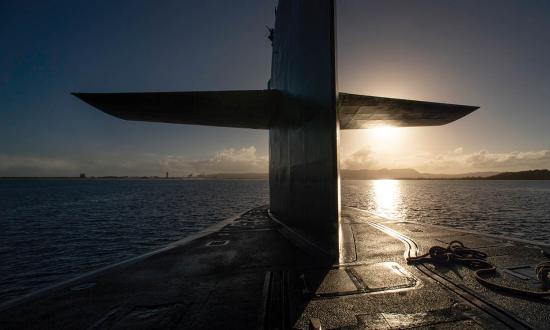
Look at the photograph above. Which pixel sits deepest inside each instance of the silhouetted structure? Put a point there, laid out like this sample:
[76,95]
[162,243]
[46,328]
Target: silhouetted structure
[244,273]
[303,110]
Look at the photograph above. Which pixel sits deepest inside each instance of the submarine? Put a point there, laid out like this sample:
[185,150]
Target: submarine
[303,261]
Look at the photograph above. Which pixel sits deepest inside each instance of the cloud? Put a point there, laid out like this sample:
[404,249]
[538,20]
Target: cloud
[244,160]
[231,160]
[511,160]
[483,160]
[362,158]
[453,161]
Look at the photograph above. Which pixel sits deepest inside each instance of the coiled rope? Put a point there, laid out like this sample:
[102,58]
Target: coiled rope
[456,252]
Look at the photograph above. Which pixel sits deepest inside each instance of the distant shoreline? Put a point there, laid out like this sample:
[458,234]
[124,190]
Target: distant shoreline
[345,175]
[411,174]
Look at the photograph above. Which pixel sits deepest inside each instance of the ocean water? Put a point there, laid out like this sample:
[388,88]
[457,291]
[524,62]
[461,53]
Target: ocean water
[519,209]
[53,230]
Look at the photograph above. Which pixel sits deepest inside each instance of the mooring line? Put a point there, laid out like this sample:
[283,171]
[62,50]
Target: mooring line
[411,250]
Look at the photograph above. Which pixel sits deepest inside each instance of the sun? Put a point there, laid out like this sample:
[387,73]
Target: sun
[386,145]
[384,133]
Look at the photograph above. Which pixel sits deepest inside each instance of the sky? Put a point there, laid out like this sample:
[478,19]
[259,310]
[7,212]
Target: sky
[493,54]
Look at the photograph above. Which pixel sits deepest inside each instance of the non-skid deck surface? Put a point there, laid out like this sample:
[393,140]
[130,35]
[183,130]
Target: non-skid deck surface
[248,275]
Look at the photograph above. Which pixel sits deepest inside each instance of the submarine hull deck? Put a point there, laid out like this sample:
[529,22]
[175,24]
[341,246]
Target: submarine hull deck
[252,272]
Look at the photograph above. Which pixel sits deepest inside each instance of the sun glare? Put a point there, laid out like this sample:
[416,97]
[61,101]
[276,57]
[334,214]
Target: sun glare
[384,132]
[387,194]
[382,137]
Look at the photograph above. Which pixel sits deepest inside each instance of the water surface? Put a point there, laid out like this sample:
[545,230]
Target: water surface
[52,230]
[518,209]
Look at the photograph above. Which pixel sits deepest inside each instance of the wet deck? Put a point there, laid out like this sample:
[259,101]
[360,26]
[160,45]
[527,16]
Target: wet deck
[248,272]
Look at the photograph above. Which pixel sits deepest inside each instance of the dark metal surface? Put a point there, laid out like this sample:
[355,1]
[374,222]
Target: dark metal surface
[256,108]
[303,140]
[362,111]
[244,109]
[260,280]
[303,111]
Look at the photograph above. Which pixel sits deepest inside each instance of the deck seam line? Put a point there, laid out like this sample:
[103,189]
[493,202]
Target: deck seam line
[484,305]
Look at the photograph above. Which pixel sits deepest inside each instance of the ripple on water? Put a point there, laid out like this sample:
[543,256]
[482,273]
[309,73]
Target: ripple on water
[513,208]
[52,230]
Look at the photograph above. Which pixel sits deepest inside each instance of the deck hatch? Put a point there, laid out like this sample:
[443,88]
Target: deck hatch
[348,280]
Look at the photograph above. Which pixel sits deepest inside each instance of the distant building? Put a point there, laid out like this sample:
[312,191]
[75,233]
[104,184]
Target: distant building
[83,175]
[167,175]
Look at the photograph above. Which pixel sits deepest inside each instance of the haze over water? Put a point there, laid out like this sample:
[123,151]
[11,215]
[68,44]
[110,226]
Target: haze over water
[53,230]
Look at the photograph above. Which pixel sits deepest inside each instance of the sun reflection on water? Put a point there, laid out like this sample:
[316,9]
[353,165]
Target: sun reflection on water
[387,196]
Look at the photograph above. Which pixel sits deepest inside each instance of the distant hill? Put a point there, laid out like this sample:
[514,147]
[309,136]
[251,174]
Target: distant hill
[522,175]
[406,173]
